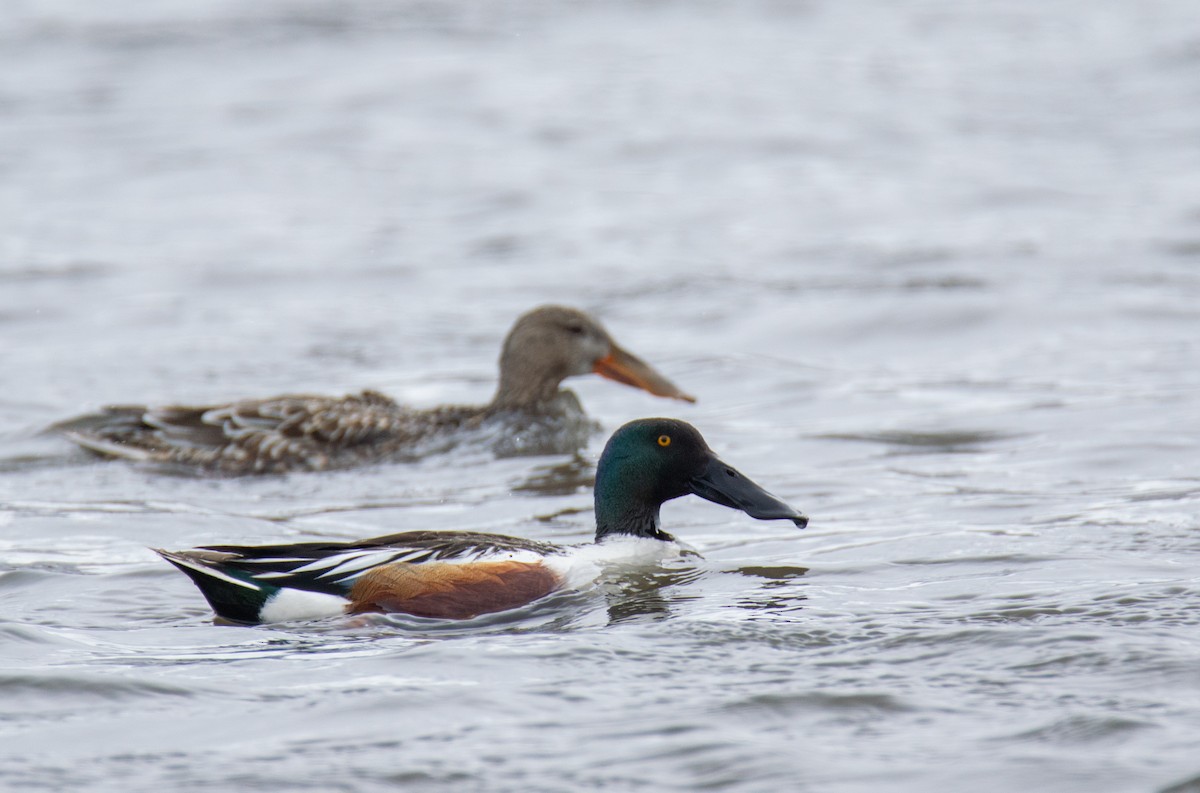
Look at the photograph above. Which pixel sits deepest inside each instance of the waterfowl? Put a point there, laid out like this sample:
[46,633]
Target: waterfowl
[529,413]
[459,575]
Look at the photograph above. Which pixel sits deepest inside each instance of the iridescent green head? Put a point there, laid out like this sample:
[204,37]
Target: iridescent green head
[650,461]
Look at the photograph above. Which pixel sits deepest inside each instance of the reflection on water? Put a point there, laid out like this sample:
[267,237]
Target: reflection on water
[773,573]
[559,479]
[638,594]
[952,441]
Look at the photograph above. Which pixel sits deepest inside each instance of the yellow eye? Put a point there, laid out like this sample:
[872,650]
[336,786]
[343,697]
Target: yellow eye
[664,440]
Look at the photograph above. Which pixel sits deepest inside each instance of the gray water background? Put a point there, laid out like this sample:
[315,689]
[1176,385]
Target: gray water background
[932,268]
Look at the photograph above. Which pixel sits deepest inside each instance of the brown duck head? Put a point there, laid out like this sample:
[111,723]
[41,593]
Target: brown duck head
[551,343]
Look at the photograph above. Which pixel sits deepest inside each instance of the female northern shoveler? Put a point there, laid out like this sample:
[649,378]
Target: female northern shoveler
[312,433]
[458,575]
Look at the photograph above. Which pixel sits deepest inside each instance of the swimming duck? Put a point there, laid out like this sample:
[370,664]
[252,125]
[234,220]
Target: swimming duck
[529,413]
[459,575]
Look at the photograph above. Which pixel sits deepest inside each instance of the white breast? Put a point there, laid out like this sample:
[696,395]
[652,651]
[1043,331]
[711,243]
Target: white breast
[583,564]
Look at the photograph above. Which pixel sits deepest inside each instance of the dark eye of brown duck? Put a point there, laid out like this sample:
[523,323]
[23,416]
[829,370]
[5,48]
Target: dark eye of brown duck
[575,328]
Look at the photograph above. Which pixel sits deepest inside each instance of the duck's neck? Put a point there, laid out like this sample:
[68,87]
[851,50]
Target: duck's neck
[620,511]
[519,390]
[643,525]
[515,395]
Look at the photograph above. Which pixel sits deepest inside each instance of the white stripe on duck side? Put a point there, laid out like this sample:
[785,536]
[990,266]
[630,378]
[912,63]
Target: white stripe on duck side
[299,604]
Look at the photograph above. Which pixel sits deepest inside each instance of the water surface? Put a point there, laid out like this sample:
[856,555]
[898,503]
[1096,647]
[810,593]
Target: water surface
[933,272]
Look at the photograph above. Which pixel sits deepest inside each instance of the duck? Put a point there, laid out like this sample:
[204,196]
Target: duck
[529,413]
[453,575]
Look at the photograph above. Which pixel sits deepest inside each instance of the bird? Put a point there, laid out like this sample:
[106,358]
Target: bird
[458,575]
[529,413]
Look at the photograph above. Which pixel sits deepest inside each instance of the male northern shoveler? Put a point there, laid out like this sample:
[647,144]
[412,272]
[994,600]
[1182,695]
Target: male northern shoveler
[529,413]
[459,575]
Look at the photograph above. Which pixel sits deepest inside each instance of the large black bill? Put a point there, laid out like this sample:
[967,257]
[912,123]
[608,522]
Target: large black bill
[725,485]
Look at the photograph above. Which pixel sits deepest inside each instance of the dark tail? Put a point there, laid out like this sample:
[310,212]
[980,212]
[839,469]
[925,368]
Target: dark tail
[124,417]
[230,595]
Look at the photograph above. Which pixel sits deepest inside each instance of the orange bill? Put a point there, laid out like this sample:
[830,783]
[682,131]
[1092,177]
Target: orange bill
[627,368]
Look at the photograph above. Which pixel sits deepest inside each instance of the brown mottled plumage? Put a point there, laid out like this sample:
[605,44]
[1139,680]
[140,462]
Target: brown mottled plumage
[529,412]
